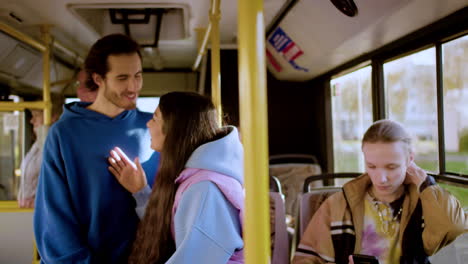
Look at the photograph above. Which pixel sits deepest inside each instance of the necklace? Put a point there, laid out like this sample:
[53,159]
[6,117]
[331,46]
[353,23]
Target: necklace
[388,223]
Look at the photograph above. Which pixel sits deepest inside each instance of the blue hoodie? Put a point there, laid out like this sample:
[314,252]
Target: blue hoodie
[83,214]
[207,226]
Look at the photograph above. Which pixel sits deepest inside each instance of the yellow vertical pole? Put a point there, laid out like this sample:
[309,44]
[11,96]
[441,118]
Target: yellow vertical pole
[46,98]
[45,30]
[201,45]
[215,16]
[254,125]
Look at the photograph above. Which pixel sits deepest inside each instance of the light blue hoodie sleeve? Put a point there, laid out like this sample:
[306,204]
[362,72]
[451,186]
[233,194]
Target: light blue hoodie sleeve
[142,197]
[207,226]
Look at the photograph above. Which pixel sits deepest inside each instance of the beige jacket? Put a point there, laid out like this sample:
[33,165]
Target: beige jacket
[335,230]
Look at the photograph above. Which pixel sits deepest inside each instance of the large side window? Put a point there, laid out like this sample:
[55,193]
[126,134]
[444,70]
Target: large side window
[11,145]
[352,115]
[455,76]
[411,98]
[147,104]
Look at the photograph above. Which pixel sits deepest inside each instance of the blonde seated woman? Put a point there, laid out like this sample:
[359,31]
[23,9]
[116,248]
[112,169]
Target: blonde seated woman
[394,211]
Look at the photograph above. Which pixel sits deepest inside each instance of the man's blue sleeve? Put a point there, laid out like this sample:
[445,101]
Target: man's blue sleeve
[56,225]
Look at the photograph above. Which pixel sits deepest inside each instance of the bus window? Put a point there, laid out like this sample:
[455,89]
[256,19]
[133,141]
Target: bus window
[455,75]
[352,115]
[411,99]
[147,104]
[11,145]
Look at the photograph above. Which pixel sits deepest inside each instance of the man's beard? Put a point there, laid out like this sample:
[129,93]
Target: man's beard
[119,100]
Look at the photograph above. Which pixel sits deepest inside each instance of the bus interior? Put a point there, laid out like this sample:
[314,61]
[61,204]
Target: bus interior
[331,68]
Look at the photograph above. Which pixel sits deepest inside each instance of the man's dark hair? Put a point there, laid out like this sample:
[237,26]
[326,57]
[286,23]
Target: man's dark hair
[96,61]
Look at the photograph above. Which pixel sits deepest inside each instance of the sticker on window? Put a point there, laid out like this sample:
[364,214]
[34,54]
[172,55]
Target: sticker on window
[287,47]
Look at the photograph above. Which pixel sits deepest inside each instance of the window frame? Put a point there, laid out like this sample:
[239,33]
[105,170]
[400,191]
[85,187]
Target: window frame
[436,34]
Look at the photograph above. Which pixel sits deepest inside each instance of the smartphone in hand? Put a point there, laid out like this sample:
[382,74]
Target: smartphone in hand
[364,259]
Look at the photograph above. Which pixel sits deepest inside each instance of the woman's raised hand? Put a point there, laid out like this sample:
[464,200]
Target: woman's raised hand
[129,174]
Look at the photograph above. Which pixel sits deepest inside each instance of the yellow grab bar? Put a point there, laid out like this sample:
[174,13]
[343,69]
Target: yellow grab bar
[215,15]
[254,126]
[20,36]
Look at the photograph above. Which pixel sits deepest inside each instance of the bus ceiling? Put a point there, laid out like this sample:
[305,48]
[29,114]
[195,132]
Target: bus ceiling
[315,37]
[305,39]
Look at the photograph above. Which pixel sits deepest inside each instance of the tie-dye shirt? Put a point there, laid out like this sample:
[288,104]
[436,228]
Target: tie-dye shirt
[379,239]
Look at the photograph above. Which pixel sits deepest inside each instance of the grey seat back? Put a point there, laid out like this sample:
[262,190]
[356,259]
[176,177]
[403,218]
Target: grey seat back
[309,204]
[292,176]
[279,236]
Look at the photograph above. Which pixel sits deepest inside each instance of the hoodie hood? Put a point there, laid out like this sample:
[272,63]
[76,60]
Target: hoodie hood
[224,155]
[80,110]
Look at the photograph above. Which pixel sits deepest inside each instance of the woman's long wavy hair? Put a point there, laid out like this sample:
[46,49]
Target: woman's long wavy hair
[189,120]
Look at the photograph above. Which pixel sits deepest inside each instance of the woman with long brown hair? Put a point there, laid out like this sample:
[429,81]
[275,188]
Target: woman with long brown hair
[194,212]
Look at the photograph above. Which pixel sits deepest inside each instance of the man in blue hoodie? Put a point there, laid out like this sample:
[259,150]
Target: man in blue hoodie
[82,213]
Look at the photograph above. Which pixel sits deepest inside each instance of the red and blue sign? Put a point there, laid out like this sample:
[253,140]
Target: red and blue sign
[287,47]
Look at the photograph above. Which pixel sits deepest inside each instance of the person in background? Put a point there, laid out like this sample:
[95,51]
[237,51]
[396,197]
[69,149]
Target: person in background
[82,213]
[394,212]
[31,164]
[194,212]
[84,93]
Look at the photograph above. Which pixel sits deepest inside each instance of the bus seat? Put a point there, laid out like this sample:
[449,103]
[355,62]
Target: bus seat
[312,197]
[309,182]
[291,177]
[454,253]
[309,204]
[275,184]
[293,158]
[279,235]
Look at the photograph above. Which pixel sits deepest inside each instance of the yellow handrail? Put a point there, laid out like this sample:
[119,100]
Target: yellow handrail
[36,258]
[20,36]
[202,48]
[215,16]
[254,125]
[12,207]
[59,46]
[45,104]
[45,30]
[21,106]
[37,44]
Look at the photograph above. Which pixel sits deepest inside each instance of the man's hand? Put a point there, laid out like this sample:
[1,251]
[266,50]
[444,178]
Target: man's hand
[129,174]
